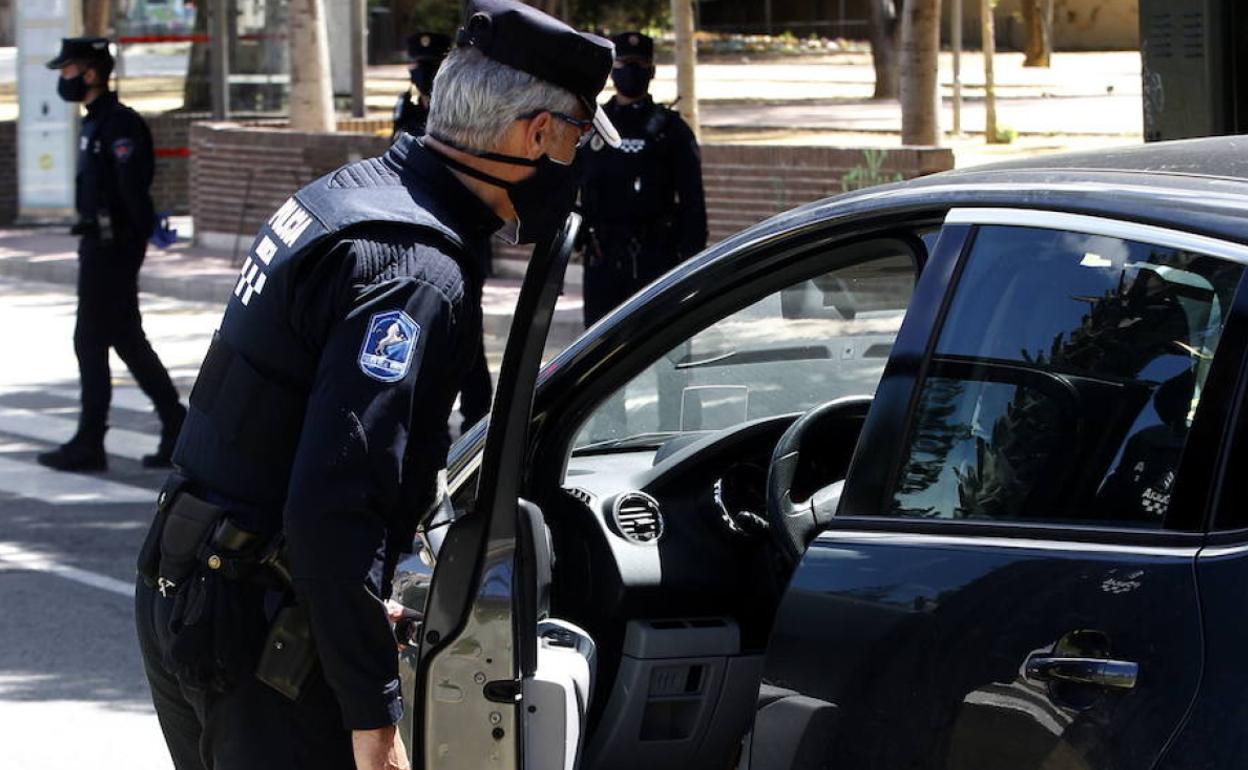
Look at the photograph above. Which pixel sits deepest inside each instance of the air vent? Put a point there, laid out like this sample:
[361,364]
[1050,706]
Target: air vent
[637,517]
[582,494]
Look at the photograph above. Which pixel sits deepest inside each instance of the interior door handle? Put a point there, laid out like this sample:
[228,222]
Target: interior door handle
[1099,672]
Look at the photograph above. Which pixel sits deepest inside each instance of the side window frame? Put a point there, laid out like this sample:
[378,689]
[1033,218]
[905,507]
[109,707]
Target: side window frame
[881,453]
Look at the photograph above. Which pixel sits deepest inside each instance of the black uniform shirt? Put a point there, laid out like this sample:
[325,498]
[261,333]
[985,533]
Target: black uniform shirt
[649,188]
[409,116]
[377,325]
[115,167]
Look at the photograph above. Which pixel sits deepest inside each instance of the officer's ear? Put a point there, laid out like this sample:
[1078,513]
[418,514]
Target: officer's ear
[90,76]
[540,135]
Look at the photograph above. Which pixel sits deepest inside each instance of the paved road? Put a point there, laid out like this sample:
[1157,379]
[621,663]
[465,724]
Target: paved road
[72,691]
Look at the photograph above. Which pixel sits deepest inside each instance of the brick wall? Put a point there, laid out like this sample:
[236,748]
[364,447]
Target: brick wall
[8,172]
[241,173]
[171,188]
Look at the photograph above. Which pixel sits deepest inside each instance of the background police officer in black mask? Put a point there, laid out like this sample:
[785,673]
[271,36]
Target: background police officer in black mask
[643,203]
[115,219]
[318,421]
[425,52]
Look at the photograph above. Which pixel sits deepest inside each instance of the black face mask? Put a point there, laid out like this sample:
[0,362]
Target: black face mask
[542,200]
[422,76]
[72,89]
[632,80]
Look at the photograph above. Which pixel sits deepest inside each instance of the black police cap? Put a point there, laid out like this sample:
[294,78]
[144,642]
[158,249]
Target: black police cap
[81,49]
[633,45]
[526,39]
[428,45]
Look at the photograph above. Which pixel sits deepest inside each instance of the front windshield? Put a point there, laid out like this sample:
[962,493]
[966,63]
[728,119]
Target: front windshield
[812,342]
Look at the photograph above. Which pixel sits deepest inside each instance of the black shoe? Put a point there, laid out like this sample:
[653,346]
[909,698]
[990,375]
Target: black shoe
[169,430]
[76,456]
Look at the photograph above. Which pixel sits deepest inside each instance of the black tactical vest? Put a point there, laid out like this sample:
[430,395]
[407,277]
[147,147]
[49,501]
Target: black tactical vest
[247,407]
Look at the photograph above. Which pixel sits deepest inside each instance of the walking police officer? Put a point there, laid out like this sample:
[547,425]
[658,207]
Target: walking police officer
[115,219]
[425,52]
[643,202]
[318,423]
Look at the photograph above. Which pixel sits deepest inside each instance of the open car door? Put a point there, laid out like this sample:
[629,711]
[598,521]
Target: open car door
[493,689]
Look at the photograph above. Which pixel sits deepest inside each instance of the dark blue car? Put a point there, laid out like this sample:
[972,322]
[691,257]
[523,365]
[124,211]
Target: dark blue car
[934,475]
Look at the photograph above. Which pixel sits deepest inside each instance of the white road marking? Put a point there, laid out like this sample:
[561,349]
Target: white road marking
[55,430]
[34,481]
[15,556]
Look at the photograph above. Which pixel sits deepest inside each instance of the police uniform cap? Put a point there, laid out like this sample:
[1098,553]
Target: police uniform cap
[428,45]
[633,45]
[526,39]
[81,49]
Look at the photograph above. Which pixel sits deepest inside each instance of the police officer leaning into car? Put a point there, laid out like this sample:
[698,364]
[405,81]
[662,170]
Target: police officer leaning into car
[318,423]
[115,220]
[644,207]
[425,52]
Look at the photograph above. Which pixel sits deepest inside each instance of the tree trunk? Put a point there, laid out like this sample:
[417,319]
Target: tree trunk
[988,31]
[686,64]
[884,26]
[311,98]
[96,17]
[1038,21]
[197,89]
[920,82]
[550,7]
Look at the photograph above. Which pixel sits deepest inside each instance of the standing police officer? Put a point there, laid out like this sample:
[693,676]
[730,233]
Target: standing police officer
[425,52]
[643,202]
[319,417]
[115,219]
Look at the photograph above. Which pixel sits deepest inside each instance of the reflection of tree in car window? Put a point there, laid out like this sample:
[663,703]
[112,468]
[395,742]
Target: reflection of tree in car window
[1033,431]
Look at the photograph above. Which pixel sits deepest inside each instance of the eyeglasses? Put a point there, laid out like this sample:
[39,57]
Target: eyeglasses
[586,127]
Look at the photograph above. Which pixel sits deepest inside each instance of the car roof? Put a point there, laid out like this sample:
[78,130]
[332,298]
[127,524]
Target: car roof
[1219,157]
[1196,185]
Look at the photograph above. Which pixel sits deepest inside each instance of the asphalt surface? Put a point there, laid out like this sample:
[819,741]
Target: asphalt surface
[72,690]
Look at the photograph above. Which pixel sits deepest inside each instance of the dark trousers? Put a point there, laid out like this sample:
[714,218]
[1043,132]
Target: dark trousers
[108,317]
[251,727]
[477,390]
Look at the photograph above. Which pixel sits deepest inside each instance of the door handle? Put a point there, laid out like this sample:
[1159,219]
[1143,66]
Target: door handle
[1098,672]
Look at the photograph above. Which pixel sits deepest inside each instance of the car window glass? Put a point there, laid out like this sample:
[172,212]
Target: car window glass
[811,342]
[1064,380]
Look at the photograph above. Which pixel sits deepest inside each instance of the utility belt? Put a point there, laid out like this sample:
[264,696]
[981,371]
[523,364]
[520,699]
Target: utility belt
[211,576]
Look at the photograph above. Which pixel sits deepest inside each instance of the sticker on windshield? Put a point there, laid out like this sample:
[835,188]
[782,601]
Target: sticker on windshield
[389,345]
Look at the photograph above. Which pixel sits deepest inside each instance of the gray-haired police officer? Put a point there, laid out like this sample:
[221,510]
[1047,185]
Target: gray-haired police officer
[115,219]
[425,52]
[643,202]
[319,417]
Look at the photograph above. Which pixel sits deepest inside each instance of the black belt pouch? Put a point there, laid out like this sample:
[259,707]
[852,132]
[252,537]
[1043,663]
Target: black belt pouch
[215,625]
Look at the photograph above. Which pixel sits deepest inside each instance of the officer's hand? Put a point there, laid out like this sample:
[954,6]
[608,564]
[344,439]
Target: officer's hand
[380,749]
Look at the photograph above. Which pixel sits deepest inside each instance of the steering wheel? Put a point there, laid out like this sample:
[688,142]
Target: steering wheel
[794,523]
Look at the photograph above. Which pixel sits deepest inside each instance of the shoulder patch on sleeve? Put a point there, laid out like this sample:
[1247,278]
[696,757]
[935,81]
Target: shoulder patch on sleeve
[122,149]
[389,345]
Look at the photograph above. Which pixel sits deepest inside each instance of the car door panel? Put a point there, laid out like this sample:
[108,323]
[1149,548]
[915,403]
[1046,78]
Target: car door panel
[922,641]
[984,599]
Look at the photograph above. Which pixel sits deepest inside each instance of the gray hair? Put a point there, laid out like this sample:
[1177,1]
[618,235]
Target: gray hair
[475,99]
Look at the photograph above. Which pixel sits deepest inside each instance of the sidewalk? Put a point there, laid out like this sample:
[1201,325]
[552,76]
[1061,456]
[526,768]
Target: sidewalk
[197,274]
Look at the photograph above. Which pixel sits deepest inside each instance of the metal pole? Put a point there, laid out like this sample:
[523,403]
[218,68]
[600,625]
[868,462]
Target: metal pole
[767,16]
[359,56]
[219,54]
[955,31]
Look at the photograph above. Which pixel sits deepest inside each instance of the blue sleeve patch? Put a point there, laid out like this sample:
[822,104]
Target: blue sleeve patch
[389,346]
[123,149]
